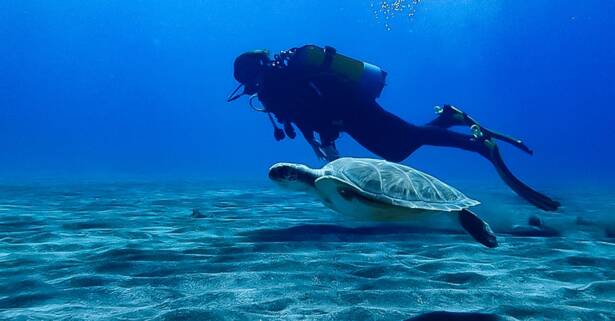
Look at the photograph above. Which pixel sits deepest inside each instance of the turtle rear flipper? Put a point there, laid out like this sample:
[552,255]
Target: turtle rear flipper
[477,228]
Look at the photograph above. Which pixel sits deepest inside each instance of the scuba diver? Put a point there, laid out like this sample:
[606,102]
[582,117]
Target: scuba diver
[321,91]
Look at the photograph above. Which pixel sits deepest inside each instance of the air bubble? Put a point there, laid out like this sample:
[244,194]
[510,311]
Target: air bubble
[390,9]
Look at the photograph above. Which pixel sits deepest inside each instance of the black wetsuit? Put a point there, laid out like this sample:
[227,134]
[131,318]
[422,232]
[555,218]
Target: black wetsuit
[326,105]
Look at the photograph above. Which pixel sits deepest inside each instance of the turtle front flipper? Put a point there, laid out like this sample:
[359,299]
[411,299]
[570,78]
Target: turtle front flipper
[477,228]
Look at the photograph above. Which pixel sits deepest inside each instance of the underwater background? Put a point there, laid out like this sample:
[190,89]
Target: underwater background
[114,127]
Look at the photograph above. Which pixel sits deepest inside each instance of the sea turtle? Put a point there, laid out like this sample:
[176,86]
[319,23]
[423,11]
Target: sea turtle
[378,188]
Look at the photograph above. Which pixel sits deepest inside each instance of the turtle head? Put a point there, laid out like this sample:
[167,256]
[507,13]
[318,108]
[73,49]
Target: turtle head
[293,176]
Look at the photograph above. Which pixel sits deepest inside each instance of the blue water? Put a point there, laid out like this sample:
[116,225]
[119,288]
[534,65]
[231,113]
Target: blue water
[114,127]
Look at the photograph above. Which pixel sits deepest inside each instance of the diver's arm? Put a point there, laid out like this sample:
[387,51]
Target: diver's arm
[283,119]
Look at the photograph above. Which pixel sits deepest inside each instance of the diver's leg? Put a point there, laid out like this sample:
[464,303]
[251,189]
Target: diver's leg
[449,116]
[394,139]
[436,136]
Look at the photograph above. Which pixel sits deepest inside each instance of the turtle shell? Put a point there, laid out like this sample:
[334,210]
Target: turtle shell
[398,185]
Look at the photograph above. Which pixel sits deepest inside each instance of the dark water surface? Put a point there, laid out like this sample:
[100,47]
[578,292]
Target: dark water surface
[134,252]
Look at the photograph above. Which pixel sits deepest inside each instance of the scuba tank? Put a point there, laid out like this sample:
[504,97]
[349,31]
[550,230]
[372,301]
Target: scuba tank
[368,78]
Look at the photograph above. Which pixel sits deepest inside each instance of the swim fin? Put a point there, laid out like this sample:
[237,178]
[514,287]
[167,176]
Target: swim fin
[535,198]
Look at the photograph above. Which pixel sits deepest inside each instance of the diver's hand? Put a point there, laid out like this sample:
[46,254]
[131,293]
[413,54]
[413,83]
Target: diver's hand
[331,152]
[317,149]
[289,130]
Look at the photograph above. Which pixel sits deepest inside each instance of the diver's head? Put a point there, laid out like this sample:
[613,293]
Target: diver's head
[249,68]
[293,176]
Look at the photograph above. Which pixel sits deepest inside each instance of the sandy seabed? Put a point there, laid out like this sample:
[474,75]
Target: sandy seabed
[135,251]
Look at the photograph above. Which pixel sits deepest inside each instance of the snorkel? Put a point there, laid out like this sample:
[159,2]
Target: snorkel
[234,95]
